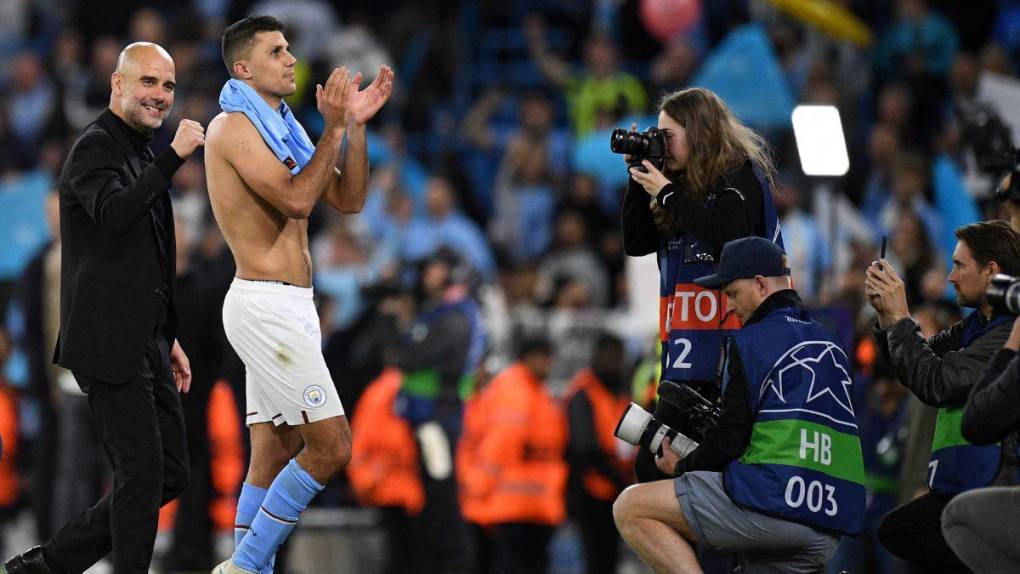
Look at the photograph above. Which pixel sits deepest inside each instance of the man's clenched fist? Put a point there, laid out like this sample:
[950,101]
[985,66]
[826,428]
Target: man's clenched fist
[190,134]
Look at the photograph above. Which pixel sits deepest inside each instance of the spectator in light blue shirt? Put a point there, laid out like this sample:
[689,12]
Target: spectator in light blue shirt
[807,247]
[444,225]
[33,97]
[345,266]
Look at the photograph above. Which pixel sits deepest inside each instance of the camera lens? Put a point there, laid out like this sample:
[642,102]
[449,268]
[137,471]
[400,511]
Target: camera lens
[631,143]
[632,424]
[1004,292]
[1012,297]
[618,141]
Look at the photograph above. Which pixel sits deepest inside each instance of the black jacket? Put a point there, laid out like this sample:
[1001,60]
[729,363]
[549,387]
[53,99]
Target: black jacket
[937,370]
[941,374]
[736,212]
[993,408]
[117,251]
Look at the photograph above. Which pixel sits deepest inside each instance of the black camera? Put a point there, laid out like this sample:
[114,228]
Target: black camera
[696,414]
[1004,293]
[650,145]
[638,427]
[991,139]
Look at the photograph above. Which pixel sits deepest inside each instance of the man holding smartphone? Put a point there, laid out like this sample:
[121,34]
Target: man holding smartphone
[941,371]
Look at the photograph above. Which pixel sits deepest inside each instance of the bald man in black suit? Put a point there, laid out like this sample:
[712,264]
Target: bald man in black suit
[117,318]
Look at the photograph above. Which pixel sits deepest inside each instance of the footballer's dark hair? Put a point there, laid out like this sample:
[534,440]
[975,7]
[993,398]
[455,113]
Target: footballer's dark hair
[239,37]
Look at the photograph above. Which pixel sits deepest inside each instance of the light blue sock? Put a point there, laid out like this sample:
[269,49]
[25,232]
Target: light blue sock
[289,494]
[248,503]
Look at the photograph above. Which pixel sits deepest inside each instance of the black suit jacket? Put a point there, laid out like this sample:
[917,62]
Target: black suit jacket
[114,276]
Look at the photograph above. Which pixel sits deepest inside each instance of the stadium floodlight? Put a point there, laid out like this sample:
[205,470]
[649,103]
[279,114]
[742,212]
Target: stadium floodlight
[820,141]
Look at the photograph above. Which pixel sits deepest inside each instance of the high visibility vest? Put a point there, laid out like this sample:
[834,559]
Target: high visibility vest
[510,458]
[226,450]
[384,459]
[470,477]
[9,484]
[955,464]
[804,462]
[692,320]
[645,382]
[607,409]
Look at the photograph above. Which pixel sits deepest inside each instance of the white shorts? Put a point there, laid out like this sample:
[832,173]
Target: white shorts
[274,328]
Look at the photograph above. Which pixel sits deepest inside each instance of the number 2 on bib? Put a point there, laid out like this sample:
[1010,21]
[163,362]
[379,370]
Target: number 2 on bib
[685,349]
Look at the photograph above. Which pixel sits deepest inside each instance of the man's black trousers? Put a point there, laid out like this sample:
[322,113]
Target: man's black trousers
[141,426]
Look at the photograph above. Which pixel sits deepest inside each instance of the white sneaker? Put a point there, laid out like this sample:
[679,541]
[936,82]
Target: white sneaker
[228,567]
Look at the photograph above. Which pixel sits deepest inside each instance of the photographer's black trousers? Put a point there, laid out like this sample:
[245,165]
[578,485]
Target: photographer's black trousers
[913,532]
[599,535]
[444,541]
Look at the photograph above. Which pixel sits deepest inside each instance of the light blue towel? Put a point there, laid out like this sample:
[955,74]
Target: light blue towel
[281,131]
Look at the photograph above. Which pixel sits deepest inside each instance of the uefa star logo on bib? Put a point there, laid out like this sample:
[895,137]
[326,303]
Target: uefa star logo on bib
[812,367]
[315,396]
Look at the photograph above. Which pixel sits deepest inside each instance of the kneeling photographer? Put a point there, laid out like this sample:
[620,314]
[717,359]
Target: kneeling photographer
[780,477]
[983,526]
[698,180]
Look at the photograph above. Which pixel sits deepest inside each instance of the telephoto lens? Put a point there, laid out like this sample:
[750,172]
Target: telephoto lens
[638,427]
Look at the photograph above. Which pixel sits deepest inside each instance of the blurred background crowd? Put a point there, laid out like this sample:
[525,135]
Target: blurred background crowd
[494,153]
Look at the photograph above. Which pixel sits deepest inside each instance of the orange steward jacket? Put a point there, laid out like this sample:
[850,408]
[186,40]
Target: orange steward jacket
[607,409]
[384,461]
[510,459]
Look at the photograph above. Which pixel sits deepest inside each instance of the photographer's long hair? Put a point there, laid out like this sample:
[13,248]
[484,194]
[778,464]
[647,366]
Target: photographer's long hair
[717,140]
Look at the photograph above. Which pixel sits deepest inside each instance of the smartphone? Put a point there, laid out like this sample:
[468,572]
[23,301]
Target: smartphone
[881,255]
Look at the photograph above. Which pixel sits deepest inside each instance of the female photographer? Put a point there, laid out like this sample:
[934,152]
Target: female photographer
[714,186]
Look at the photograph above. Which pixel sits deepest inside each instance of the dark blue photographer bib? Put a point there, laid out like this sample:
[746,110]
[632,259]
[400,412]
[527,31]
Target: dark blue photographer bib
[955,464]
[804,461]
[692,319]
[421,389]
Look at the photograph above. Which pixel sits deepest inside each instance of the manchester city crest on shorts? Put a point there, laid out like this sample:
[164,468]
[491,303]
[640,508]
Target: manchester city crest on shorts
[315,396]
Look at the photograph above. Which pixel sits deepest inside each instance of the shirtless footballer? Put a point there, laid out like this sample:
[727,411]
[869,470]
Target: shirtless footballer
[264,178]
